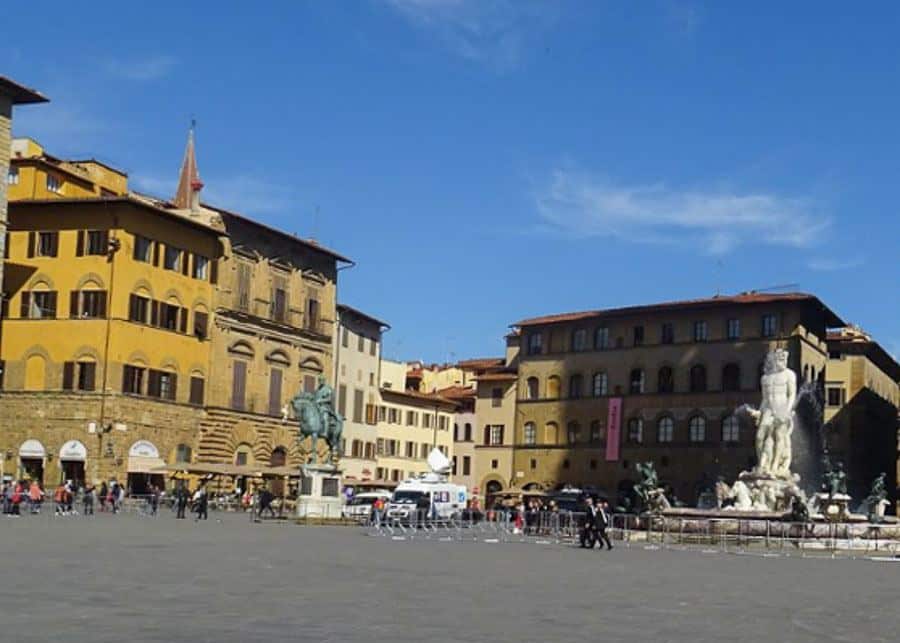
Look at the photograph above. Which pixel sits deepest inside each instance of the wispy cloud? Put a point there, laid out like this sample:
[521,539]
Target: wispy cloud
[825,264]
[246,194]
[581,205]
[491,32]
[142,69]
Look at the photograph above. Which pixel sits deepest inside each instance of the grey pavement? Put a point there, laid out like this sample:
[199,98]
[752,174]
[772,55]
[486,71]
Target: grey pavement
[128,578]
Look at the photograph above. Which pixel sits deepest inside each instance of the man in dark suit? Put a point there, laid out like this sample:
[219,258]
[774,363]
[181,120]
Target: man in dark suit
[603,520]
[591,522]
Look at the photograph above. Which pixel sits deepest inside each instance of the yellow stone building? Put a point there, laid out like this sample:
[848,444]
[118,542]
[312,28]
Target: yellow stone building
[862,398]
[141,332]
[599,391]
[105,347]
[11,94]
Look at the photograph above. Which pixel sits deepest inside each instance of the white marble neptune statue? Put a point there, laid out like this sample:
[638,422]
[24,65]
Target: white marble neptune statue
[775,417]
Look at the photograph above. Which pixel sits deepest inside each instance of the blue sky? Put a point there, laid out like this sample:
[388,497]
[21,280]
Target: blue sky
[489,160]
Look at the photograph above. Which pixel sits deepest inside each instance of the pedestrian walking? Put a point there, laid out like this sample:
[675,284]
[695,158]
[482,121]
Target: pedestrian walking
[87,500]
[265,503]
[101,496]
[603,521]
[36,496]
[59,500]
[201,504]
[181,500]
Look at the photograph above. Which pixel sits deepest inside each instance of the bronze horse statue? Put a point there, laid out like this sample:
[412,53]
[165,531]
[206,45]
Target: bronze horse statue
[317,418]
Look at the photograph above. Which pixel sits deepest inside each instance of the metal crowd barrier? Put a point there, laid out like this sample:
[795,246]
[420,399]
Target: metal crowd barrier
[708,535]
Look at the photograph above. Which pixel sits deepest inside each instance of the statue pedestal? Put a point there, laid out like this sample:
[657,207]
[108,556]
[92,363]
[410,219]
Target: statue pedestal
[320,492]
[834,508]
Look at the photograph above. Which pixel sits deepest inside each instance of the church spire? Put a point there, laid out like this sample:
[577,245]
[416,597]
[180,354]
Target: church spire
[189,184]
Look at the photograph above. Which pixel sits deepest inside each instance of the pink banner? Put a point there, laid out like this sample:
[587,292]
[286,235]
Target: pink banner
[613,429]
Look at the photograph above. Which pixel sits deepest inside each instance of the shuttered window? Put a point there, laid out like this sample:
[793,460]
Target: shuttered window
[132,379]
[238,385]
[357,405]
[197,385]
[201,323]
[243,287]
[275,391]
[138,308]
[79,376]
[88,304]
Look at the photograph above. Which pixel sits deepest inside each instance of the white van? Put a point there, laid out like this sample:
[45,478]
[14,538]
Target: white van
[430,495]
[359,507]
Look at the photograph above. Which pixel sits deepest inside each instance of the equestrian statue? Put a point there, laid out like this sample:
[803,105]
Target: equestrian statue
[316,417]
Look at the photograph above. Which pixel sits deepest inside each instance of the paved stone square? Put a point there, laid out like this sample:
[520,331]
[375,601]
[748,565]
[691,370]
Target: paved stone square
[142,579]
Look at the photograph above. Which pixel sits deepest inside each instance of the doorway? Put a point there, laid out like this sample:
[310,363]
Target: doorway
[33,469]
[73,470]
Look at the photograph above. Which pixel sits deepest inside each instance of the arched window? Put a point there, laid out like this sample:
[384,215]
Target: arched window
[731,377]
[529,433]
[575,386]
[635,431]
[636,381]
[551,433]
[573,431]
[665,380]
[183,453]
[533,391]
[243,455]
[597,432]
[697,426]
[731,429]
[665,429]
[698,378]
[553,387]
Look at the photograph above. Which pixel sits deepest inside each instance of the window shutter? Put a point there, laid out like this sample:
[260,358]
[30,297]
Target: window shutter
[126,385]
[54,244]
[68,376]
[90,371]
[237,386]
[501,434]
[32,239]
[79,244]
[26,305]
[196,390]
[182,320]
[154,313]
[174,387]
[213,271]
[156,245]
[274,392]
[200,323]
[51,304]
[153,383]
[73,304]
[185,260]
[487,434]
[101,304]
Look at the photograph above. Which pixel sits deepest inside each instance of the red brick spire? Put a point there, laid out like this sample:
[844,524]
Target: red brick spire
[189,183]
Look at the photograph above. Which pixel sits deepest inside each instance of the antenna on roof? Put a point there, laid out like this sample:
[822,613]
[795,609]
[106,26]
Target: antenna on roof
[775,288]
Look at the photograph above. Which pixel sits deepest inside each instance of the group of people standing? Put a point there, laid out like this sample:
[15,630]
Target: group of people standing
[29,497]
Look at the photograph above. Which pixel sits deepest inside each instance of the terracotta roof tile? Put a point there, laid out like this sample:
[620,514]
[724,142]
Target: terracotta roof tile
[723,300]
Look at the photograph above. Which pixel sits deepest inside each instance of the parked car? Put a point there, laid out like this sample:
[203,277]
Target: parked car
[359,507]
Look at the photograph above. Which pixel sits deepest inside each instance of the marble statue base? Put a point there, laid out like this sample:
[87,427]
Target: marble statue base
[834,508]
[320,492]
[754,492]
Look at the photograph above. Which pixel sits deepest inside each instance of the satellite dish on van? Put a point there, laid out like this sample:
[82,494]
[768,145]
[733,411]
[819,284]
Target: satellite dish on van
[438,462]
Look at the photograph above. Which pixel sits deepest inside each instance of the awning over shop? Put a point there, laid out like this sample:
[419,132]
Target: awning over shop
[232,470]
[32,449]
[73,451]
[139,464]
[143,457]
